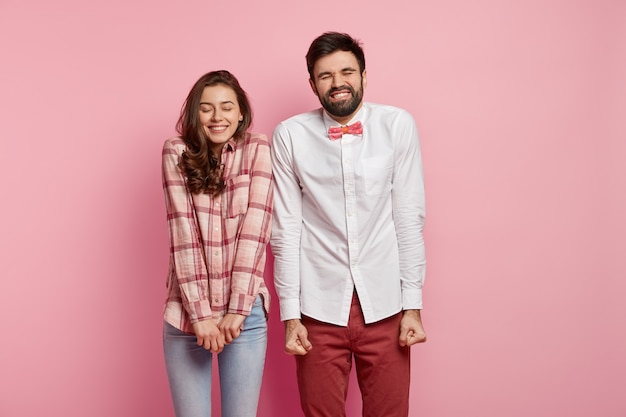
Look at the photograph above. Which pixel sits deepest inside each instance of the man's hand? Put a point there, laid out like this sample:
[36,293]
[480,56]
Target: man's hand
[411,328]
[208,335]
[296,338]
[231,326]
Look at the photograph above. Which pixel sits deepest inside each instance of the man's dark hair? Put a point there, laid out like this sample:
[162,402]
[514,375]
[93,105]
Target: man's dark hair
[330,42]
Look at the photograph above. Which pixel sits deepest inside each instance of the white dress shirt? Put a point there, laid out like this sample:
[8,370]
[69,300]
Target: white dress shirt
[348,214]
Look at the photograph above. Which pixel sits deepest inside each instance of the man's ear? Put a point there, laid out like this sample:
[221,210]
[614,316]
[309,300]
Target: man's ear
[364,78]
[312,84]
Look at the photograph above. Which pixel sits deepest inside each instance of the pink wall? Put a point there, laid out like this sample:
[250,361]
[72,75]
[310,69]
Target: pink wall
[521,110]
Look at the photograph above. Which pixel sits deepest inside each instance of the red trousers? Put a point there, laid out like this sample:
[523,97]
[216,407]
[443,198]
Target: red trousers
[383,368]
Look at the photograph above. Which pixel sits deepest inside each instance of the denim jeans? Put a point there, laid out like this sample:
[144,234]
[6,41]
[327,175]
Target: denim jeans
[240,369]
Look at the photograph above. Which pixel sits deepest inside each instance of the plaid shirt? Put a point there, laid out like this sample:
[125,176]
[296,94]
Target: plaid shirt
[218,244]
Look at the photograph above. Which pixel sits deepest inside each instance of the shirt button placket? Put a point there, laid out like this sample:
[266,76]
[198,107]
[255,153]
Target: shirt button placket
[215,263]
[350,204]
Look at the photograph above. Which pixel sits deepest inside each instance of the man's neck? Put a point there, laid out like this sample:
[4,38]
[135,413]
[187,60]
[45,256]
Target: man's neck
[344,120]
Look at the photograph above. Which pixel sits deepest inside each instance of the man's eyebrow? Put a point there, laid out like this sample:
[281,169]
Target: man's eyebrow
[342,70]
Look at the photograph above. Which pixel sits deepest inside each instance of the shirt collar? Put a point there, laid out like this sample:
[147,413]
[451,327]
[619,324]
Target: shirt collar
[230,146]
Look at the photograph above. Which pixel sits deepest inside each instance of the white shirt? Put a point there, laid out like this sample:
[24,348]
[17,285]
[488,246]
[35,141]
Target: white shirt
[348,214]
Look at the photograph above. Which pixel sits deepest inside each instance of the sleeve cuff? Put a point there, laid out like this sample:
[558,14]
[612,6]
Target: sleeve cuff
[412,299]
[290,309]
[241,304]
[199,310]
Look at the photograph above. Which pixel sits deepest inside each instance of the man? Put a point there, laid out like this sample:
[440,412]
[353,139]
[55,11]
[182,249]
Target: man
[347,238]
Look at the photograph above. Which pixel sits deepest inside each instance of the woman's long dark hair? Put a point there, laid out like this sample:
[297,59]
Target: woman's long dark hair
[198,163]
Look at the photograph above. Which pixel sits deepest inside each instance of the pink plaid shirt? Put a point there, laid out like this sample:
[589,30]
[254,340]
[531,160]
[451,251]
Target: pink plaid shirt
[218,244]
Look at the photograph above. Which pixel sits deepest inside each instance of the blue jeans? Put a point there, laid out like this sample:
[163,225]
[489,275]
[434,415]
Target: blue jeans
[240,369]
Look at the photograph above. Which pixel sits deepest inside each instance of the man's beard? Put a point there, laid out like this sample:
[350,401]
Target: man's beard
[343,108]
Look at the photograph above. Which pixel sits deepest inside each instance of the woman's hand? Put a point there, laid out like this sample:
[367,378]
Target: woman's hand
[208,335]
[231,326]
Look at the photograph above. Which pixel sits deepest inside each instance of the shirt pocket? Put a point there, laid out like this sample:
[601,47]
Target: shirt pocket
[377,175]
[235,196]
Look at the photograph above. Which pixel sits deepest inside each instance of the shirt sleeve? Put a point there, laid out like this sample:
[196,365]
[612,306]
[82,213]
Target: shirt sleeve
[287,226]
[186,252]
[409,211]
[255,230]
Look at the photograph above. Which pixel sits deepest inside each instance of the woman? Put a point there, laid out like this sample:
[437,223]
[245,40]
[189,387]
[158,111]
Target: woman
[218,195]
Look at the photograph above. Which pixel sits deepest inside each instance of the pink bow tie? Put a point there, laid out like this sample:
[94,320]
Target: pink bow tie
[335,133]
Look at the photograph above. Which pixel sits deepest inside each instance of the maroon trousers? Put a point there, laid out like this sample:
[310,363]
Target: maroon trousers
[382,367]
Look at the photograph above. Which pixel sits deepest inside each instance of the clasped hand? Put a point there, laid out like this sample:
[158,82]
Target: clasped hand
[213,336]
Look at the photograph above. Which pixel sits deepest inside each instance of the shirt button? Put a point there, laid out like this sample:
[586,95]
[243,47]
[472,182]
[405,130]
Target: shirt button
[216,253]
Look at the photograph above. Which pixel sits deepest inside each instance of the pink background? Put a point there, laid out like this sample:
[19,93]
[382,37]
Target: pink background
[520,106]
